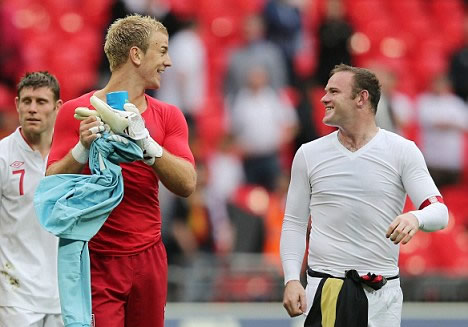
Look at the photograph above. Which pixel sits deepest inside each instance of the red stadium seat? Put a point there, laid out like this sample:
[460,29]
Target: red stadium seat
[405,9]
[363,11]
[183,8]
[449,249]
[221,20]
[377,30]
[210,123]
[447,9]
[415,256]
[453,35]
[251,6]
[455,197]
[426,65]
[313,14]
[7,102]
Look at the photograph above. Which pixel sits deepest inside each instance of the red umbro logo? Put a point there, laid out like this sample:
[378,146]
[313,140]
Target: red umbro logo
[17,164]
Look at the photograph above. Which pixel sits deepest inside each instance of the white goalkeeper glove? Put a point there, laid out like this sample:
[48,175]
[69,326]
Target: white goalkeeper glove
[131,123]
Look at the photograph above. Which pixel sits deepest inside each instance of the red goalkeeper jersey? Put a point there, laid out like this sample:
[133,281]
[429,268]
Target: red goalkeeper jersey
[135,224]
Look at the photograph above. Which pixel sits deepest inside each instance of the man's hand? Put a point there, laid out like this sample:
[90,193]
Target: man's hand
[116,119]
[90,129]
[403,228]
[128,122]
[137,130]
[294,298]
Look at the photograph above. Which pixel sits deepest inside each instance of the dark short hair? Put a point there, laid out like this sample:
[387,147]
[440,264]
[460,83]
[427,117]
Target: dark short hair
[40,79]
[363,79]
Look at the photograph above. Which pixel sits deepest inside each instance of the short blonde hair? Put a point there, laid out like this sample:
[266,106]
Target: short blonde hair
[125,33]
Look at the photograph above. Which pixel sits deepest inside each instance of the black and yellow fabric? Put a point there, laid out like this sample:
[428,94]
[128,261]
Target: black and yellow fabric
[339,303]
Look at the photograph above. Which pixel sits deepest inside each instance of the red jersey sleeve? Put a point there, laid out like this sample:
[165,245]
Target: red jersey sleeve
[170,130]
[66,129]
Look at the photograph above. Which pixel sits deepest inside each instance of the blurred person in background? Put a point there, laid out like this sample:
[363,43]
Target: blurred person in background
[334,34]
[458,70]
[305,110]
[284,27]
[225,175]
[28,253]
[353,184]
[185,83]
[395,109]
[128,258]
[190,243]
[443,117]
[255,50]
[262,122]
[191,227]
[11,53]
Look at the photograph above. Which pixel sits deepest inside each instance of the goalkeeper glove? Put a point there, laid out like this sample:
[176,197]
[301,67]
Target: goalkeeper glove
[131,123]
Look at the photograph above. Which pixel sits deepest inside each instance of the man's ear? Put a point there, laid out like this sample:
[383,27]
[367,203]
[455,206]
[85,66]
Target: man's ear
[363,97]
[17,103]
[136,55]
[58,104]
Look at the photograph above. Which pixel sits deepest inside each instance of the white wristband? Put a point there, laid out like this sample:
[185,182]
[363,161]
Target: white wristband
[80,153]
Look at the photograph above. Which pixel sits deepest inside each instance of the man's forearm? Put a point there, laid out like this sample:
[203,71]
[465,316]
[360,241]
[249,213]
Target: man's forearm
[177,174]
[433,217]
[67,165]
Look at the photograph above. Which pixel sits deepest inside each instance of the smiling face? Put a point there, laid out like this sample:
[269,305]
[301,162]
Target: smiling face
[338,99]
[155,60]
[37,110]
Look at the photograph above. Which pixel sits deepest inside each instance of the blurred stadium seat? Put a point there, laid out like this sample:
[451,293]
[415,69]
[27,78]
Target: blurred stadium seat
[455,197]
[416,257]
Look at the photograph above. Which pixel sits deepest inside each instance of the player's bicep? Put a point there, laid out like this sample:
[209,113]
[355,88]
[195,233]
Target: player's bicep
[176,138]
[299,192]
[66,134]
[416,179]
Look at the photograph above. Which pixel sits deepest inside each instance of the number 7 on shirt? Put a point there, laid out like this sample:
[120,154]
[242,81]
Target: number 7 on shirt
[21,172]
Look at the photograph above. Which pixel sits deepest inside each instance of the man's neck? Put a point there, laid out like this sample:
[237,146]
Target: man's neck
[118,82]
[38,142]
[353,140]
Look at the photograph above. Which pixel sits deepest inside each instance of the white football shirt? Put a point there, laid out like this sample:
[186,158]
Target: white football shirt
[28,253]
[352,198]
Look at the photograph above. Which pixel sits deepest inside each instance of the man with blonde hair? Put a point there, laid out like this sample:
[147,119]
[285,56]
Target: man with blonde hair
[128,258]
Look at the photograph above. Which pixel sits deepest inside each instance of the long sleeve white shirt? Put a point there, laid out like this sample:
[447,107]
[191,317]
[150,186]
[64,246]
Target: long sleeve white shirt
[352,198]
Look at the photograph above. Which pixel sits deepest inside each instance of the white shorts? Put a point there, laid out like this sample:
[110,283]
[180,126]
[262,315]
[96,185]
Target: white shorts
[17,317]
[385,305]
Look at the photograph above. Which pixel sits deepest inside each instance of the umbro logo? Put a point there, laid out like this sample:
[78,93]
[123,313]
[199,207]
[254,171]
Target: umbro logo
[17,164]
